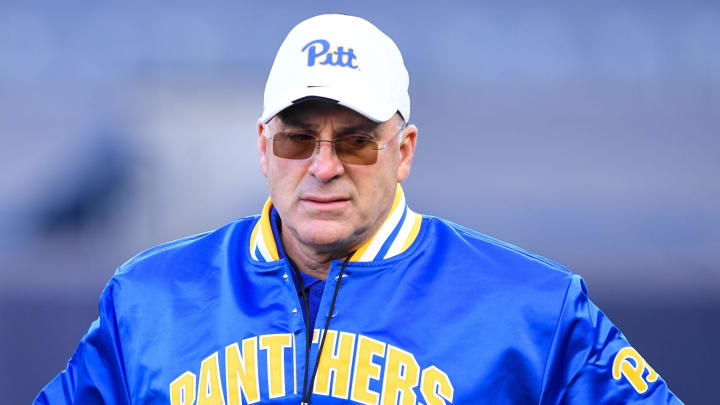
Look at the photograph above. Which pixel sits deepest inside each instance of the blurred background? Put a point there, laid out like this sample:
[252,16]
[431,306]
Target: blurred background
[587,133]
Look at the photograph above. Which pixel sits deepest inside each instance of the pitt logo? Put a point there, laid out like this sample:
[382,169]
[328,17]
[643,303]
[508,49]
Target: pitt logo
[628,363]
[353,367]
[320,47]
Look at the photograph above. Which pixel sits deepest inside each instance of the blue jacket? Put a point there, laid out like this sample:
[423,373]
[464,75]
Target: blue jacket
[428,312]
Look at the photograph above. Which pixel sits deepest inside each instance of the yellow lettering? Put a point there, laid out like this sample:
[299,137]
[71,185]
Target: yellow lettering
[241,372]
[633,372]
[337,364]
[401,375]
[365,369]
[275,346]
[435,386]
[209,389]
[402,372]
[182,389]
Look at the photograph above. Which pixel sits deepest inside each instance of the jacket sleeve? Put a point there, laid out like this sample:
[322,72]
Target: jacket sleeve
[590,360]
[95,373]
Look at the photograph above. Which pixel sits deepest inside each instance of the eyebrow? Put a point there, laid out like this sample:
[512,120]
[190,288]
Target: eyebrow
[295,122]
[368,126]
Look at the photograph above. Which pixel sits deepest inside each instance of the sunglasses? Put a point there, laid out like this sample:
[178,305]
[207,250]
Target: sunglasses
[355,149]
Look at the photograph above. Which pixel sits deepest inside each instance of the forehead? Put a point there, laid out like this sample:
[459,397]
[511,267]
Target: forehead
[313,114]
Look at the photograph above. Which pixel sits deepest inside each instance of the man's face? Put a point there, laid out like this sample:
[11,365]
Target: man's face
[325,204]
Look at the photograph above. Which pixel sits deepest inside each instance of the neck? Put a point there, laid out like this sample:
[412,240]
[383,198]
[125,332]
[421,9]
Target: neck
[309,260]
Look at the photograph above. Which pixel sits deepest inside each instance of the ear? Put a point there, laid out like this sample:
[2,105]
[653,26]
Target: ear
[407,152]
[262,148]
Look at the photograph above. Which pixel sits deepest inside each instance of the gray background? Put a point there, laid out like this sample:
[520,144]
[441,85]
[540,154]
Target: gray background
[586,133]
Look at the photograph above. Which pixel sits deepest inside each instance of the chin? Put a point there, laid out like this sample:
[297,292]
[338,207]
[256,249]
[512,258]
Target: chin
[326,236]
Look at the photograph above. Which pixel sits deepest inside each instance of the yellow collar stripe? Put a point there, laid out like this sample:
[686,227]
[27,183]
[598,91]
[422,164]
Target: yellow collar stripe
[406,235]
[262,239]
[267,233]
[413,231]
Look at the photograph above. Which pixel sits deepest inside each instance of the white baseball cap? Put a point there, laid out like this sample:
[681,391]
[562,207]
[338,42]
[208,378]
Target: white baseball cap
[343,59]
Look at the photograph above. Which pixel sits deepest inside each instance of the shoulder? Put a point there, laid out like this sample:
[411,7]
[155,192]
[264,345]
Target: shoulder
[187,256]
[177,275]
[517,293]
[471,245]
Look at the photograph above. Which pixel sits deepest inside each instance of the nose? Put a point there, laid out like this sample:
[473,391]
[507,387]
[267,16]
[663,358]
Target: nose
[325,163]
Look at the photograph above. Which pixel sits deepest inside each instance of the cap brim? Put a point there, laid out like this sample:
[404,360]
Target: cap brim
[356,99]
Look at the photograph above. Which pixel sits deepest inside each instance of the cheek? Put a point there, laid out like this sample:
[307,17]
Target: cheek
[376,187]
[284,177]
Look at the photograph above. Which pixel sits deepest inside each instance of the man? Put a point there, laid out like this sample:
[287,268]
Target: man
[338,292]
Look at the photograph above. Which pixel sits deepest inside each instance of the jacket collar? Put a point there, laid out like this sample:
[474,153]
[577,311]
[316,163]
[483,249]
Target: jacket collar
[395,236]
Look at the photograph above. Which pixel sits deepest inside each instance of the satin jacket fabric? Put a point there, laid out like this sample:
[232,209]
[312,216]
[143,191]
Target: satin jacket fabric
[427,312]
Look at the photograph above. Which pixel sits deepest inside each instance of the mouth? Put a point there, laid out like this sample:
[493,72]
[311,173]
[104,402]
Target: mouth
[325,203]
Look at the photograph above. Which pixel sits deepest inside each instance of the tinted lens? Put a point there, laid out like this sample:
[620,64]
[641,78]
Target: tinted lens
[356,150]
[293,146]
[352,150]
